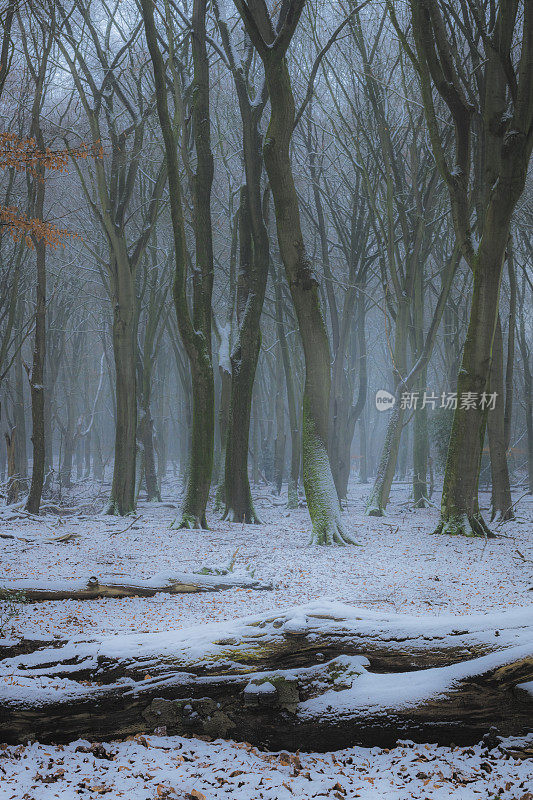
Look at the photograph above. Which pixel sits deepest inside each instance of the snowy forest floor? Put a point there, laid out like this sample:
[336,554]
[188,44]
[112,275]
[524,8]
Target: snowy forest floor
[398,567]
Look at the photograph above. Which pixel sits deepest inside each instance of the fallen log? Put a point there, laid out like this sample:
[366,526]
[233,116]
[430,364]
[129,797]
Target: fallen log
[94,587]
[315,677]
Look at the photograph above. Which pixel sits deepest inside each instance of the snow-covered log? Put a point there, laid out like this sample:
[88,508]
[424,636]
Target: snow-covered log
[92,587]
[319,677]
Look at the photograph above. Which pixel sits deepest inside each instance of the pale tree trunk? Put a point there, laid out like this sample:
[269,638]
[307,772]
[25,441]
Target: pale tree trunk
[363,458]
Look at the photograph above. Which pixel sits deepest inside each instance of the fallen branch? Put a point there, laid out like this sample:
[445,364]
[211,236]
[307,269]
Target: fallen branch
[122,586]
[317,677]
[132,523]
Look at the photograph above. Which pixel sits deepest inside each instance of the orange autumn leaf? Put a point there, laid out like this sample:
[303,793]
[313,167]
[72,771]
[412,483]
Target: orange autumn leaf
[23,154]
[20,227]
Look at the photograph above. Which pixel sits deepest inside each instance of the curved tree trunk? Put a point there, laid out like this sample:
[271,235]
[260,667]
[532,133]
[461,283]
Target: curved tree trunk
[320,491]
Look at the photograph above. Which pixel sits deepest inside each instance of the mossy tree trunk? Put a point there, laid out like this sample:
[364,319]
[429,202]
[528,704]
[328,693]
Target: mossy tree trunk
[320,491]
[314,677]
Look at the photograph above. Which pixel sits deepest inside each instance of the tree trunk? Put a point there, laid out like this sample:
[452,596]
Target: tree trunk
[122,499]
[69,439]
[321,495]
[316,677]
[420,449]
[251,284]
[13,485]
[460,512]
[19,415]
[279,443]
[87,448]
[39,354]
[379,496]
[501,503]
[91,588]
[146,436]
[363,460]
[290,383]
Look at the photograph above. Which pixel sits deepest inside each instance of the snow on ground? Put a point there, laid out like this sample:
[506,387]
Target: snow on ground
[398,567]
[151,767]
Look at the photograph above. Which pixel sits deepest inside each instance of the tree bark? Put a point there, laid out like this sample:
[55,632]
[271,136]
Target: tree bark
[13,485]
[460,512]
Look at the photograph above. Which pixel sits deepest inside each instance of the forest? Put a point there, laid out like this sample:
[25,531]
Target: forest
[266,404]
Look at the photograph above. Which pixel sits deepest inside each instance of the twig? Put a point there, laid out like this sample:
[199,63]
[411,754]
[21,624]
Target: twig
[136,519]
